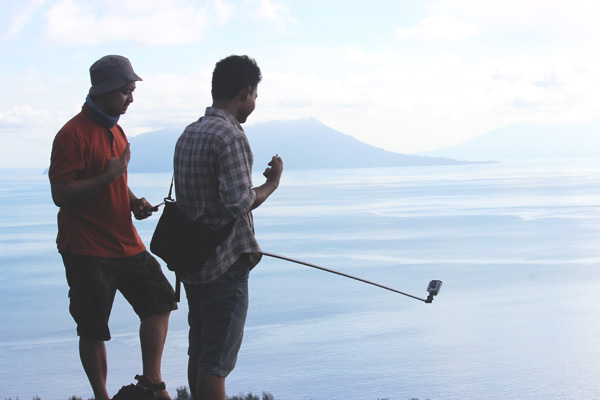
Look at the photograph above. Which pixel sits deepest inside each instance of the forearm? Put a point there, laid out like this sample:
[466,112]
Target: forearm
[67,193]
[140,207]
[262,193]
[273,175]
[132,196]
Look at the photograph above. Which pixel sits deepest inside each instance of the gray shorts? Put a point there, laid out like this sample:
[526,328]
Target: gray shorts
[217,315]
[93,282]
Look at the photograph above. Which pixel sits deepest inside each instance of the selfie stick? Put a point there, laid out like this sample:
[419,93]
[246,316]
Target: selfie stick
[433,288]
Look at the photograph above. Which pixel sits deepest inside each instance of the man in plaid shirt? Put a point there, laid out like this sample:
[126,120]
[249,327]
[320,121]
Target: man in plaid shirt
[213,184]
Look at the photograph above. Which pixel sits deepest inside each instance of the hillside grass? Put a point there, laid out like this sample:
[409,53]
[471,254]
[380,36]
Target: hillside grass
[183,393]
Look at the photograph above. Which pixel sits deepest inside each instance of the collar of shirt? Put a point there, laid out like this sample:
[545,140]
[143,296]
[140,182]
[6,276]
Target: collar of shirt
[220,113]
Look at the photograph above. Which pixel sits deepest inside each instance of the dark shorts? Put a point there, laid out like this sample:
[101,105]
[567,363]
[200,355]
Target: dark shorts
[93,282]
[217,315]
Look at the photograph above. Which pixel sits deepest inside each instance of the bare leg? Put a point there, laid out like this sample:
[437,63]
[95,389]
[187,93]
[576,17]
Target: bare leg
[93,358]
[204,386]
[210,387]
[153,334]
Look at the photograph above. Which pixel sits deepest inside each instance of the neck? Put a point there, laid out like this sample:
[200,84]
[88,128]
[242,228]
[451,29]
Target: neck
[230,106]
[100,116]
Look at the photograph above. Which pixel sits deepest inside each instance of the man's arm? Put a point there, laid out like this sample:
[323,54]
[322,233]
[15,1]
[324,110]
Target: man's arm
[140,208]
[66,193]
[273,175]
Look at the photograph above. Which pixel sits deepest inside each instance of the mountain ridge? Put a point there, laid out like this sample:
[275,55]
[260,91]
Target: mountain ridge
[303,144]
[529,141]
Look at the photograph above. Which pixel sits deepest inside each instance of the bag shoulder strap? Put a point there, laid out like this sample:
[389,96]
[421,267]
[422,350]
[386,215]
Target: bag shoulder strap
[169,198]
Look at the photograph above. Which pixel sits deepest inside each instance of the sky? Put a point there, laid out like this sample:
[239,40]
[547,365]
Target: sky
[403,75]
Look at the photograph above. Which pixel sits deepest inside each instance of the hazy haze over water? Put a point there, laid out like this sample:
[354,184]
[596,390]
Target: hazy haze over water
[516,245]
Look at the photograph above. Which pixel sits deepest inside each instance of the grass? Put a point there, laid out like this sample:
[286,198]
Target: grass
[184,394]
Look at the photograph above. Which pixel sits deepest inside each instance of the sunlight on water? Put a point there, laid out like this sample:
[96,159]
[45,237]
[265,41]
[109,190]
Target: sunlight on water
[515,244]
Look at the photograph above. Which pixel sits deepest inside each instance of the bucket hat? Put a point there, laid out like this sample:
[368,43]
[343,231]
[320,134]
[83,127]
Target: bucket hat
[110,73]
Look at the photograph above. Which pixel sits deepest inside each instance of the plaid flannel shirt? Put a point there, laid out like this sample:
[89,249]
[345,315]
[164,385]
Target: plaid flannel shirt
[213,184]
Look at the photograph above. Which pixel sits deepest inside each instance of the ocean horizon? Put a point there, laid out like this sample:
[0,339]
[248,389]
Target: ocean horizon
[515,244]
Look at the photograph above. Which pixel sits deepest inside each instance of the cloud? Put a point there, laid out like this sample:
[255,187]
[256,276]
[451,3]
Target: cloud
[160,102]
[404,103]
[274,12]
[439,27]
[21,116]
[544,20]
[464,68]
[222,12]
[149,22]
[24,138]
[22,13]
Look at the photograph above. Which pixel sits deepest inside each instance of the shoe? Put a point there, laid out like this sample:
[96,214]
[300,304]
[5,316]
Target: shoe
[133,392]
[151,388]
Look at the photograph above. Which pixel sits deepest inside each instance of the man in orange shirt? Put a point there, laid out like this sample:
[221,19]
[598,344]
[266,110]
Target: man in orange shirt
[101,249]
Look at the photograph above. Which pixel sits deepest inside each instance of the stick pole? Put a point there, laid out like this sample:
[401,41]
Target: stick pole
[340,273]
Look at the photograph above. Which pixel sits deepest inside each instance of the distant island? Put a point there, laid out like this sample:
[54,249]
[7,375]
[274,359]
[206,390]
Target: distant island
[550,141]
[304,143]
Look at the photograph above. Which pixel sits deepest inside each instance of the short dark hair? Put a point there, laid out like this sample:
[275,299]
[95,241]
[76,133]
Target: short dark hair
[232,74]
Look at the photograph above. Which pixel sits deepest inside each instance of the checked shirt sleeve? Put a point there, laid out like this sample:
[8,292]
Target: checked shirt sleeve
[235,178]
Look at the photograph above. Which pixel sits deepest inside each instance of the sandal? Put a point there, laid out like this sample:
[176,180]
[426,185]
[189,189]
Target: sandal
[152,388]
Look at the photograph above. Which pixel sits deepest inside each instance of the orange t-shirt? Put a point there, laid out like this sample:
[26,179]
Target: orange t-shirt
[100,225]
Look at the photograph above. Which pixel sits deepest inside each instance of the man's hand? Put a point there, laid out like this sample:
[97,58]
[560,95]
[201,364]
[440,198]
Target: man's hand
[273,172]
[116,167]
[141,209]
[273,175]
[66,193]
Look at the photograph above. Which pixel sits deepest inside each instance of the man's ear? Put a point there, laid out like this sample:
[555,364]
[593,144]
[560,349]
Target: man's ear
[244,93]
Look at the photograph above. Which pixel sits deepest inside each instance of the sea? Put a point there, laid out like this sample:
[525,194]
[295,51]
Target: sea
[516,245]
